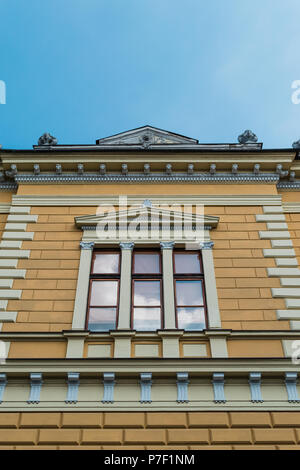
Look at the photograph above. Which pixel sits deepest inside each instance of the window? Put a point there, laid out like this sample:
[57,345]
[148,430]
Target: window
[189,291]
[146,291]
[144,279]
[104,291]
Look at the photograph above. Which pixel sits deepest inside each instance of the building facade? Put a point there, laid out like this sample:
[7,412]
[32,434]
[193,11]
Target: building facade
[150,294]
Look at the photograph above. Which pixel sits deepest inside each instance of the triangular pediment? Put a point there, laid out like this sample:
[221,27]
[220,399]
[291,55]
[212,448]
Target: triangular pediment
[148,214]
[146,136]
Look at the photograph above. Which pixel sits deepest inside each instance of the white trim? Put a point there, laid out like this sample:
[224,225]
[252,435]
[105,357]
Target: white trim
[79,315]
[207,200]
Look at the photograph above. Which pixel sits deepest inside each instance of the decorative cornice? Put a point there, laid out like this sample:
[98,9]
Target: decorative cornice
[289,185]
[131,178]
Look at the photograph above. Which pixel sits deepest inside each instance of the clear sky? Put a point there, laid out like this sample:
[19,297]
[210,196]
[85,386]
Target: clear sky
[208,69]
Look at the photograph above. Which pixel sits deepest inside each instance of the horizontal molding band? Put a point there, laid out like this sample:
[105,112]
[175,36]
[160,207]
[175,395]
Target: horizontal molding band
[131,178]
[160,367]
[291,207]
[207,200]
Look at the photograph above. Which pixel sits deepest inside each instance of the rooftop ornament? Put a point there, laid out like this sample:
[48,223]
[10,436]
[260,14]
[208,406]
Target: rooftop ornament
[248,137]
[47,139]
[296,145]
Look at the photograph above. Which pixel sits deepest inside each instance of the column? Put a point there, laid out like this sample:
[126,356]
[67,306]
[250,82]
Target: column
[168,285]
[125,286]
[82,285]
[214,320]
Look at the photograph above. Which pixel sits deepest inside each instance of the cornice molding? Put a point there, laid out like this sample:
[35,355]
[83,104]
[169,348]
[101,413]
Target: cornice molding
[108,200]
[290,207]
[132,178]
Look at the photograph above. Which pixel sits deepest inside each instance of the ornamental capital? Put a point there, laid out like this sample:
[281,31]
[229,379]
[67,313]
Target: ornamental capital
[126,245]
[206,245]
[167,245]
[87,245]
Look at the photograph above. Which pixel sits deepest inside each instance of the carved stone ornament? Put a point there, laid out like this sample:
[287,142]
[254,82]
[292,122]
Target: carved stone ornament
[248,137]
[47,139]
[296,145]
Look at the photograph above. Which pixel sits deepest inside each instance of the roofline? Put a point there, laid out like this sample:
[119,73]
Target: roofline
[130,149]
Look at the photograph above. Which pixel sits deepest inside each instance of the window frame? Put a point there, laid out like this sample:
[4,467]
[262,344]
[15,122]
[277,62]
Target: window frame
[147,277]
[190,277]
[104,277]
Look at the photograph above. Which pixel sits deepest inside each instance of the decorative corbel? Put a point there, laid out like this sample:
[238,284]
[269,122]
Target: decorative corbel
[109,385]
[255,383]
[168,168]
[234,168]
[213,169]
[182,387]
[80,168]
[58,169]
[147,169]
[218,384]
[124,169]
[292,176]
[291,387]
[12,172]
[3,382]
[35,388]
[102,168]
[280,171]
[190,168]
[73,386]
[146,384]
[36,169]
[256,168]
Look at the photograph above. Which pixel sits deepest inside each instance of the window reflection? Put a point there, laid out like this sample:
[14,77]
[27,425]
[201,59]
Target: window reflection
[146,319]
[106,263]
[146,293]
[187,263]
[104,293]
[146,263]
[190,318]
[189,293]
[102,319]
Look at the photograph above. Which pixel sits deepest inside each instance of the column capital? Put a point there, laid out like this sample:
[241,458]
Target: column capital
[167,245]
[206,245]
[87,245]
[126,245]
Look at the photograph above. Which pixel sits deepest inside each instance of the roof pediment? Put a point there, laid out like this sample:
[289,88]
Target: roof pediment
[146,136]
[147,213]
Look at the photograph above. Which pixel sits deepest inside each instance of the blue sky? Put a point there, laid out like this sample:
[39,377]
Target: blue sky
[209,69]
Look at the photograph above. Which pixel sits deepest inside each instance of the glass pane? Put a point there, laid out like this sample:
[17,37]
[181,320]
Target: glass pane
[104,293]
[190,318]
[146,293]
[187,263]
[102,319]
[106,263]
[189,293]
[146,263]
[146,319]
